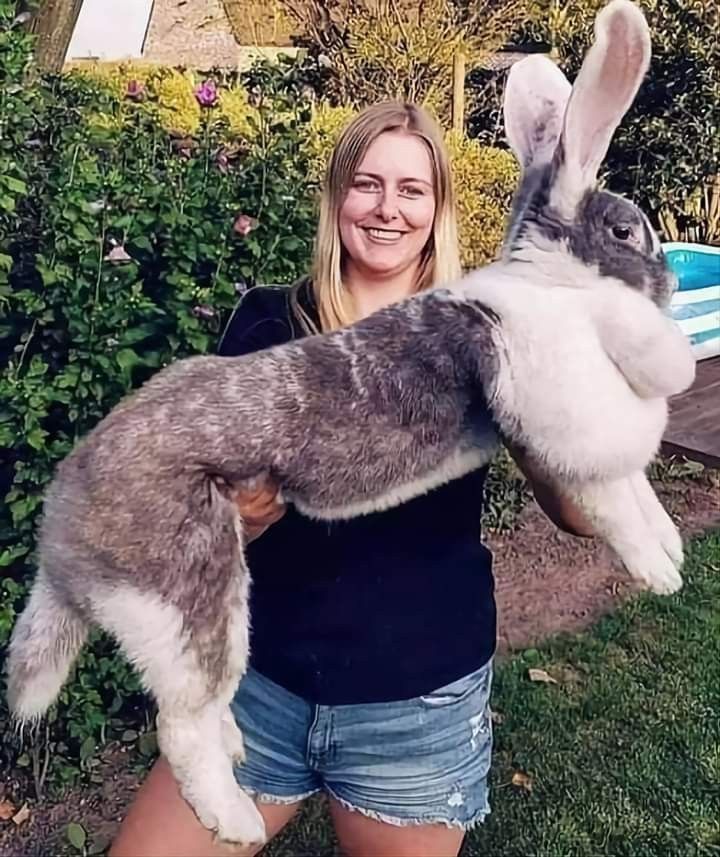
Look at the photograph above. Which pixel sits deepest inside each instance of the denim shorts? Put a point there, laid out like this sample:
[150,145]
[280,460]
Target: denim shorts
[417,761]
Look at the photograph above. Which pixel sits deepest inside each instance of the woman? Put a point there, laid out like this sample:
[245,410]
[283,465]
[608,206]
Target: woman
[372,639]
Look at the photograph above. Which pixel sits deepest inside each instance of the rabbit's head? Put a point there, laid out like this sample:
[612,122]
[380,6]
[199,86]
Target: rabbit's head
[560,134]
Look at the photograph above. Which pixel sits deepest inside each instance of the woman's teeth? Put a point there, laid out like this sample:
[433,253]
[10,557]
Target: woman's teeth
[386,235]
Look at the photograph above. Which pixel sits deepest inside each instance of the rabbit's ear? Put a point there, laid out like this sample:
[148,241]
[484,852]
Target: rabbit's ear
[536,94]
[604,89]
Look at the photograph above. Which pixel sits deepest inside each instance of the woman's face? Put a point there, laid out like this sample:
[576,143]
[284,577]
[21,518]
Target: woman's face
[387,216]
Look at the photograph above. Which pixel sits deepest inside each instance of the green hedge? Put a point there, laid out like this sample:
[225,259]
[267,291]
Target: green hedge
[122,248]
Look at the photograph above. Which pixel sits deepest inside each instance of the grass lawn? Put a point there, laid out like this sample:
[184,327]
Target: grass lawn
[622,755]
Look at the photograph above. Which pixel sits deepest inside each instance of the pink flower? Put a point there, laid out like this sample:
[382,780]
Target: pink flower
[184,146]
[244,224]
[135,90]
[222,161]
[118,255]
[206,94]
[226,156]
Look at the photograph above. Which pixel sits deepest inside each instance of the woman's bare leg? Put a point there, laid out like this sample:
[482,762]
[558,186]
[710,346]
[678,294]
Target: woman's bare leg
[161,824]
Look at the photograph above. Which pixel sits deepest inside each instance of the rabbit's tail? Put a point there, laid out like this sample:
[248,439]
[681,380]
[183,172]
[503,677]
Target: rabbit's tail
[45,641]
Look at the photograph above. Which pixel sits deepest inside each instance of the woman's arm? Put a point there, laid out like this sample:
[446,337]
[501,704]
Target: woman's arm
[562,511]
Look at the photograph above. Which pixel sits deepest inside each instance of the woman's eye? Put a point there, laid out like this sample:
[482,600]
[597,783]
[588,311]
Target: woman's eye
[365,185]
[622,233]
[411,190]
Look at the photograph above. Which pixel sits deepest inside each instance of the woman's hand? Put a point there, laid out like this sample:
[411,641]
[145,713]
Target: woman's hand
[561,510]
[258,505]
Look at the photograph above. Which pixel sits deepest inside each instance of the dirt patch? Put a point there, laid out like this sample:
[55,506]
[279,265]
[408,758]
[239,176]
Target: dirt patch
[547,583]
[98,808]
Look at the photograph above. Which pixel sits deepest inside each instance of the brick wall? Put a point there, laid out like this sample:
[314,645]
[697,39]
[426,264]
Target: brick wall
[198,34]
[194,33]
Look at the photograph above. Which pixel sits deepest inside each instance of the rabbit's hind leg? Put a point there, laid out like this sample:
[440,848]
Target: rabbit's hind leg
[614,511]
[658,519]
[193,674]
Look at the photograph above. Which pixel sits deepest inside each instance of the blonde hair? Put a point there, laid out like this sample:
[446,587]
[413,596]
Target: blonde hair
[441,256]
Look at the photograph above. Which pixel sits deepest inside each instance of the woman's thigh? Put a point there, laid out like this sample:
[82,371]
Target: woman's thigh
[360,836]
[161,824]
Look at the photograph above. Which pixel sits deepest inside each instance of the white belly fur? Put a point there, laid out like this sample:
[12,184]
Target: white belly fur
[557,384]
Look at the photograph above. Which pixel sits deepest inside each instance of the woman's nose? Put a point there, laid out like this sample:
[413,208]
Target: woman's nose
[388,206]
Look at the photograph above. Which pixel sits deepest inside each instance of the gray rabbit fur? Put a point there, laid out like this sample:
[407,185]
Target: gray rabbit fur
[562,347]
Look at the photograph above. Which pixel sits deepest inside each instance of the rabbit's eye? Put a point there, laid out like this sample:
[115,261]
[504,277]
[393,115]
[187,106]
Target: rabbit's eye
[622,233]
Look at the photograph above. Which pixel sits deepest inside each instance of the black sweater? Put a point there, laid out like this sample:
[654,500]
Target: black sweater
[383,607]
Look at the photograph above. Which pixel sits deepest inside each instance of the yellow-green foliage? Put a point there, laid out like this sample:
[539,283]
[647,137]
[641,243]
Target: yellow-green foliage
[484,179]
[322,133]
[117,75]
[177,106]
[236,110]
[104,125]
[401,49]
[172,94]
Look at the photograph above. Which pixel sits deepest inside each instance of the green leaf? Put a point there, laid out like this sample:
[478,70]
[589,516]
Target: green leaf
[36,438]
[87,748]
[82,233]
[15,185]
[127,358]
[9,555]
[76,835]
[148,744]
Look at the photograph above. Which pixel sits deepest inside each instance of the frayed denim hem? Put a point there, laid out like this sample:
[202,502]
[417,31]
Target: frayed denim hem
[465,826]
[277,800]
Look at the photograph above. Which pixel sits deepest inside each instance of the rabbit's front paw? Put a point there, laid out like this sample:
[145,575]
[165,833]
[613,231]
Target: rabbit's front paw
[241,824]
[232,737]
[235,819]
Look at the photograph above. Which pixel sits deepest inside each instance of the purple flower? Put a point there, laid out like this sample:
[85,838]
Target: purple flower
[244,224]
[207,313]
[206,94]
[135,90]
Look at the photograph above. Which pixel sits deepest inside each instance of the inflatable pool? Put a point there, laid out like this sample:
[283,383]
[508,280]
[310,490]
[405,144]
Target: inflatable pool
[696,304]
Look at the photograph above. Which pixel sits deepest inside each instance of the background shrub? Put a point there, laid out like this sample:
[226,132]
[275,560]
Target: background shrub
[124,241]
[666,153]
